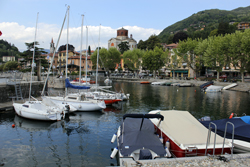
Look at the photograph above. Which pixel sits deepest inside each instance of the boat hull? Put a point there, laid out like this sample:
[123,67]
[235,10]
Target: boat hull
[188,137]
[35,114]
[81,105]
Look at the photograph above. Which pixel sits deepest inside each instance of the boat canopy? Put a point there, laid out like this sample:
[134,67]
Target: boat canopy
[241,128]
[134,136]
[206,84]
[143,116]
[69,85]
[185,129]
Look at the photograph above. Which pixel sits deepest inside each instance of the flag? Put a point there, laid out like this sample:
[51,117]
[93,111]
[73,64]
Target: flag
[1,33]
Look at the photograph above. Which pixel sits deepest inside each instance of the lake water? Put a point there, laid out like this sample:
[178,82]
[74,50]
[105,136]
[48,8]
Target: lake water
[84,139]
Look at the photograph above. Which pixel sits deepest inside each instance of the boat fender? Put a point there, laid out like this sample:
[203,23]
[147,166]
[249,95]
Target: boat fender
[114,153]
[231,116]
[167,144]
[161,139]
[80,106]
[113,138]
[168,152]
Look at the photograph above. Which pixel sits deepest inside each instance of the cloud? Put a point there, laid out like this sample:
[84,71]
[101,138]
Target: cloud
[18,35]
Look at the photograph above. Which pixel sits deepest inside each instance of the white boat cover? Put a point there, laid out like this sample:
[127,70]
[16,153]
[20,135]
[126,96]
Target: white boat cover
[185,129]
[213,88]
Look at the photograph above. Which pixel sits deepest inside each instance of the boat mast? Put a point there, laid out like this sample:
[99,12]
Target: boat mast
[33,63]
[67,50]
[86,66]
[80,69]
[97,58]
[54,52]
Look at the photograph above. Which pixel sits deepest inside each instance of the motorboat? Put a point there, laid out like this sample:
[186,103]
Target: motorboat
[185,85]
[37,110]
[187,136]
[137,140]
[206,84]
[239,132]
[175,84]
[213,88]
[158,83]
[230,86]
[145,82]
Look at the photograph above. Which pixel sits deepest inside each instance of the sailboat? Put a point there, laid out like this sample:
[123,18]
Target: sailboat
[38,110]
[100,93]
[77,100]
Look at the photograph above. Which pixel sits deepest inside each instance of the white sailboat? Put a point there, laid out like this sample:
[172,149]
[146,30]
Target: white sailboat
[38,110]
[77,100]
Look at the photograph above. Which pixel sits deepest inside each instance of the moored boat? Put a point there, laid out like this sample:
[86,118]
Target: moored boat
[239,131]
[187,136]
[137,140]
[230,86]
[206,84]
[213,88]
[145,82]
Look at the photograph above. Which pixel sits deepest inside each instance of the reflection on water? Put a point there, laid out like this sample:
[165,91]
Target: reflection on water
[84,139]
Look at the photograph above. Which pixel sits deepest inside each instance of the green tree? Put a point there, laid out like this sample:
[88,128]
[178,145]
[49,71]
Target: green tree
[214,33]
[132,59]
[39,60]
[214,56]
[142,45]
[107,58]
[155,59]
[152,42]
[123,46]
[10,65]
[240,50]
[186,50]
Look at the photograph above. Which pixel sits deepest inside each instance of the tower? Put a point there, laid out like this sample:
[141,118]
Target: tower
[52,46]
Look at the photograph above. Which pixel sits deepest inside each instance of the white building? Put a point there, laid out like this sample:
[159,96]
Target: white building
[122,36]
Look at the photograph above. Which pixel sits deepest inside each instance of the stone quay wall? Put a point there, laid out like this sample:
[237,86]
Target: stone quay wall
[8,91]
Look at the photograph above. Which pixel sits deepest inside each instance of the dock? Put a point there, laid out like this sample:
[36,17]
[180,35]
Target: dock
[208,161]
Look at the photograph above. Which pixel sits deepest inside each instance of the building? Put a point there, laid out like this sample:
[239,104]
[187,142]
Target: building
[74,62]
[243,26]
[122,36]
[8,58]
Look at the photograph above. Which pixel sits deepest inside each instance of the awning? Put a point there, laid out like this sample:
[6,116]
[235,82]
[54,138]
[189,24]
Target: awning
[179,71]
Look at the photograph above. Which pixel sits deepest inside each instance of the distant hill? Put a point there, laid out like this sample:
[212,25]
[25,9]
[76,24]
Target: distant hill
[208,20]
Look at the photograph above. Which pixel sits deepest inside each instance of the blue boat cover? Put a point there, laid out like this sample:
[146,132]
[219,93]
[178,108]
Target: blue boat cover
[133,137]
[246,119]
[241,129]
[206,84]
[69,85]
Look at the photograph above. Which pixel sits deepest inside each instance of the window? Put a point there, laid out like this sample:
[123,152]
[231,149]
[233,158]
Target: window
[122,33]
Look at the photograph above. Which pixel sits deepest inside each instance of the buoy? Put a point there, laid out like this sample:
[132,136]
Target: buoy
[195,90]
[13,125]
[231,116]
[113,138]
[114,153]
[177,90]
[168,152]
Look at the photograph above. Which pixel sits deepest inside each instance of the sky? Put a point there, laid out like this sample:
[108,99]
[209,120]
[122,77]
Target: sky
[142,18]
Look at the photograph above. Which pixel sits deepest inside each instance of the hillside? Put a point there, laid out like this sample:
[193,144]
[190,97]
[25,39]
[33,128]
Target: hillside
[207,19]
